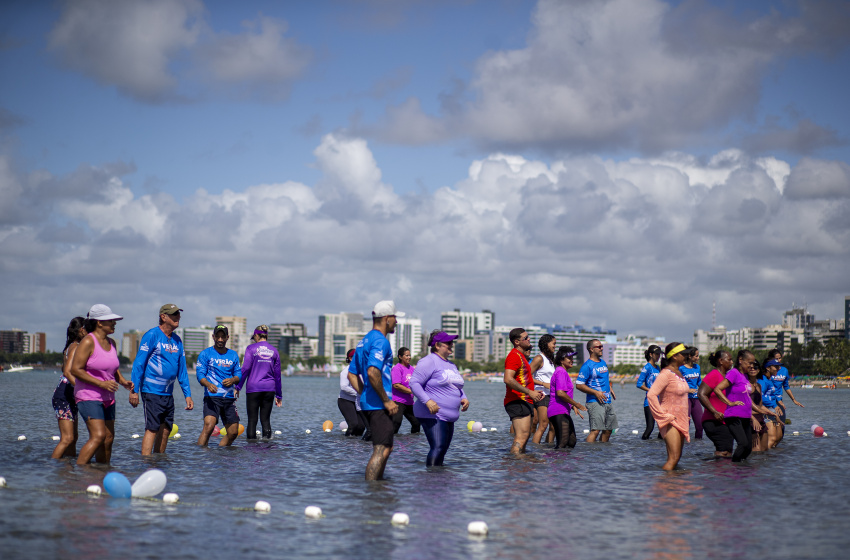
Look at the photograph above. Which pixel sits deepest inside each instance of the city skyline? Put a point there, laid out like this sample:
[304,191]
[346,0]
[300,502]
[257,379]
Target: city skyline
[621,163]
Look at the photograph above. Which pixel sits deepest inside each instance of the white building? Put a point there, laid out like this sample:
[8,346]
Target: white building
[632,349]
[197,339]
[336,333]
[408,334]
[466,323]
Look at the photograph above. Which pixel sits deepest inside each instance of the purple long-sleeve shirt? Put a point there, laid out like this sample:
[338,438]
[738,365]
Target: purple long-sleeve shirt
[437,380]
[261,369]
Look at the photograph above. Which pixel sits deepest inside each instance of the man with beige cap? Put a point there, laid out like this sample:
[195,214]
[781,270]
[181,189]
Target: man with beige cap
[160,361]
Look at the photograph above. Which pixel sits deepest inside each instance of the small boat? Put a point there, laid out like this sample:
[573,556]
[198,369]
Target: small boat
[19,368]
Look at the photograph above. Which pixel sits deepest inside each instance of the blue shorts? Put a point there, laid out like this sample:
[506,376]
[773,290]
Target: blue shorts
[159,410]
[96,410]
[219,407]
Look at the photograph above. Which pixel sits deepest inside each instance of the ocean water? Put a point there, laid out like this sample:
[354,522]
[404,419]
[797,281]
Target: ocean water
[595,501]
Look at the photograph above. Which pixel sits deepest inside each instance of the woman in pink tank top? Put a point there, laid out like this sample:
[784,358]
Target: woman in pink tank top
[95,368]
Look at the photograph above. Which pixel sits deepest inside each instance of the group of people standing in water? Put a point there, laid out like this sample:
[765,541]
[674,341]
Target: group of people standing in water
[738,405]
[90,378]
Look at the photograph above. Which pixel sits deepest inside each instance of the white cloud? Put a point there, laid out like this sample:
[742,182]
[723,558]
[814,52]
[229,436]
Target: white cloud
[129,44]
[637,245]
[625,74]
[146,49]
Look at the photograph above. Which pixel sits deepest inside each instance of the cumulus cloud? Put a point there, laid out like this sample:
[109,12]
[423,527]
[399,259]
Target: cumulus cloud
[639,245]
[625,74]
[128,44]
[146,48]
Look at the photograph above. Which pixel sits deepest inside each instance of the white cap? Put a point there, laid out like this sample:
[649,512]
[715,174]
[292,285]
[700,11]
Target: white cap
[100,312]
[385,309]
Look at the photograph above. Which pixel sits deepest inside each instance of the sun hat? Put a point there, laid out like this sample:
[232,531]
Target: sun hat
[100,312]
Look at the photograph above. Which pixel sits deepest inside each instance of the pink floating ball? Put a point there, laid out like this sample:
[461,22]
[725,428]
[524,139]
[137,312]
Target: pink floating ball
[216,431]
[818,432]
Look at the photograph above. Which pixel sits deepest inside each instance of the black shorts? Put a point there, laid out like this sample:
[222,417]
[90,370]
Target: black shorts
[542,402]
[219,407]
[381,426]
[719,434]
[518,409]
[159,409]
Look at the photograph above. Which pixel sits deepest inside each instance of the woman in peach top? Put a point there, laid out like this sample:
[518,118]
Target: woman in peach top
[668,401]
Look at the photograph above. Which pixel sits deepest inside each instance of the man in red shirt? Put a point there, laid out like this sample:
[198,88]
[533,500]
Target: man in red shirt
[519,389]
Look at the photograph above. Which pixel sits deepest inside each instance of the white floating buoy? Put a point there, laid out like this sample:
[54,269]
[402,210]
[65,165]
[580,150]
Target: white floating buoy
[634,432]
[135,436]
[798,433]
[848,433]
[22,438]
[2,482]
[313,512]
[277,432]
[94,489]
[328,430]
[56,438]
[824,434]
[262,506]
[483,429]
[259,432]
[307,432]
[171,498]
[493,430]
[477,528]
[177,436]
[586,431]
[400,519]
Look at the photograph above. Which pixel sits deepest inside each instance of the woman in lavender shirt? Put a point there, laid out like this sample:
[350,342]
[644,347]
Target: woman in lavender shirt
[438,388]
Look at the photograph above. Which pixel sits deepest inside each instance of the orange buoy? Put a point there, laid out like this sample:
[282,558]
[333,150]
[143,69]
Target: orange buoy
[327,425]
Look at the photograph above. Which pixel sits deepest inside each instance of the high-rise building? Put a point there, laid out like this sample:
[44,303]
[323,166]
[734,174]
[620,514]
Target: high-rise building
[35,343]
[847,317]
[708,341]
[130,343]
[237,328]
[197,339]
[408,334]
[336,331]
[466,323]
[12,341]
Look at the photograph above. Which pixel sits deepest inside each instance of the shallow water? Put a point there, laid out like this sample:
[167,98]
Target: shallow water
[598,500]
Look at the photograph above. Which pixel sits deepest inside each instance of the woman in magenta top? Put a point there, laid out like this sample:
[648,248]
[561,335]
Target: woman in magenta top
[402,395]
[713,423]
[734,392]
[561,399]
[95,368]
[668,401]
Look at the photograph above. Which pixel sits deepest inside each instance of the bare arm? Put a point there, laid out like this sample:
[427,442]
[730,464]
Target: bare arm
[402,389]
[510,381]
[564,397]
[78,369]
[718,392]
[376,382]
[69,359]
[703,394]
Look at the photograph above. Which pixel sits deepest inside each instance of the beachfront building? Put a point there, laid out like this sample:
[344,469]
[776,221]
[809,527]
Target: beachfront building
[237,327]
[338,332]
[408,334]
[195,339]
[12,341]
[465,324]
[631,350]
[130,341]
[35,342]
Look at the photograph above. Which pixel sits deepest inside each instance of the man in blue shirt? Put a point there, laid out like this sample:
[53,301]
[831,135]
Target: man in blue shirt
[159,363]
[371,375]
[218,372]
[593,379]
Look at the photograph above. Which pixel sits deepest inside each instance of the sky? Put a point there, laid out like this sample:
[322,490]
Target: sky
[615,163]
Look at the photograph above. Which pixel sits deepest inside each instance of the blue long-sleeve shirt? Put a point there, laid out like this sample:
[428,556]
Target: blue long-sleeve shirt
[692,376]
[160,362]
[216,368]
[647,377]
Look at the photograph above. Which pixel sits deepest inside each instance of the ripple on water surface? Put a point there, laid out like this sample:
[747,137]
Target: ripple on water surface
[604,500]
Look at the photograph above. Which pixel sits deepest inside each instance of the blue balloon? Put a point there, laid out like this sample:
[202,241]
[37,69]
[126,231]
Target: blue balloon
[117,485]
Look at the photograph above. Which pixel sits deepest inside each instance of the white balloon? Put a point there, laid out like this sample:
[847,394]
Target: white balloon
[151,483]
[343,425]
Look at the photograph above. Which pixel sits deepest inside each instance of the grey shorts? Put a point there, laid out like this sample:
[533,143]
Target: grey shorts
[602,417]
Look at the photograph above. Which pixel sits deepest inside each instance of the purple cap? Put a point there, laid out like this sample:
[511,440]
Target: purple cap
[442,337]
[773,363]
